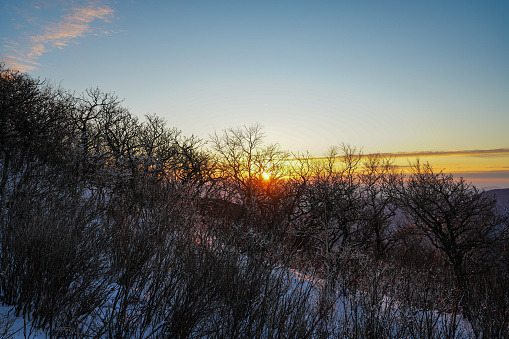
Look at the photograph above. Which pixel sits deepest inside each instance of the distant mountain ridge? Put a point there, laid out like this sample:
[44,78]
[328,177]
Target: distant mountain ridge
[502,195]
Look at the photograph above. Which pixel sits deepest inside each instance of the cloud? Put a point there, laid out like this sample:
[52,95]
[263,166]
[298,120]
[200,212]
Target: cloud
[19,64]
[487,152]
[498,151]
[75,24]
[495,174]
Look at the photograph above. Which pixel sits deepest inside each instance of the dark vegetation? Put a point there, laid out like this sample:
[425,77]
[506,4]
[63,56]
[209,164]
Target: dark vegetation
[111,227]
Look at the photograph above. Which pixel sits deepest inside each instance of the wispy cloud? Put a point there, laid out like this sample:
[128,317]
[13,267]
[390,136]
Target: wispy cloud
[485,152]
[497,151]
[75,24]
[496,174]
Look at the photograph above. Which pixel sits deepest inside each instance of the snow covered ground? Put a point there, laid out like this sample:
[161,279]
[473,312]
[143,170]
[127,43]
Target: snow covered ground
[349,314]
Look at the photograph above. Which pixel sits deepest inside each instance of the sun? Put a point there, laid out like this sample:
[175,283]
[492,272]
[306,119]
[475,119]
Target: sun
[266,176]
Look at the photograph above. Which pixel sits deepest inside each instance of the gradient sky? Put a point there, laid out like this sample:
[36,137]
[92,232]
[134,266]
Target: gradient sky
[385,76]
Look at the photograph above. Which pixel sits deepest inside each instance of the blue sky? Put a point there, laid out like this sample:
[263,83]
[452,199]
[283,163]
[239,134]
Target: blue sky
[387,76]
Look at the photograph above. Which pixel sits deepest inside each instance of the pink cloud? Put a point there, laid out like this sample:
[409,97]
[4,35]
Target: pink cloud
[75,24]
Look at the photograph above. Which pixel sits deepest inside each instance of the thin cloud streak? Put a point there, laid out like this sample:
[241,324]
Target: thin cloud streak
[19,64]
[497,151]
[73,25]
[484,172]
[495,174]
[488,152]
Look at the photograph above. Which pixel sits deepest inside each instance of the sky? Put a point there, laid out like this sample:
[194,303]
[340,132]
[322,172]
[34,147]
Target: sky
[408,78]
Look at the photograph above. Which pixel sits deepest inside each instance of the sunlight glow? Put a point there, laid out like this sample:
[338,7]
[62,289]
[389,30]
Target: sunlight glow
[266,176]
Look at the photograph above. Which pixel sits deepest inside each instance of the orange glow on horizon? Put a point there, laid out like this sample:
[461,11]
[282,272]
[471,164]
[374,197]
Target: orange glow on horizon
[483,168]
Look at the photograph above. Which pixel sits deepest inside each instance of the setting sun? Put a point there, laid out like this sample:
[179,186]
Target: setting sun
[266,176]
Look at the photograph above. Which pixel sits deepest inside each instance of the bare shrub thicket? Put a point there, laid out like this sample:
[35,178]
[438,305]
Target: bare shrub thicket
[114,227]
[50,252]
[170,277]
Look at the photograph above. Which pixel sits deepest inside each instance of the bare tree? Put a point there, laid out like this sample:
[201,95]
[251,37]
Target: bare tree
[379,209]
[457,218]
[34,127]
[334,200]
[156,145]
[236,152]
[93,113]
[242,159]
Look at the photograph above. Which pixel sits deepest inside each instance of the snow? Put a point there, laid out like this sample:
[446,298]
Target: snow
[16,327]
